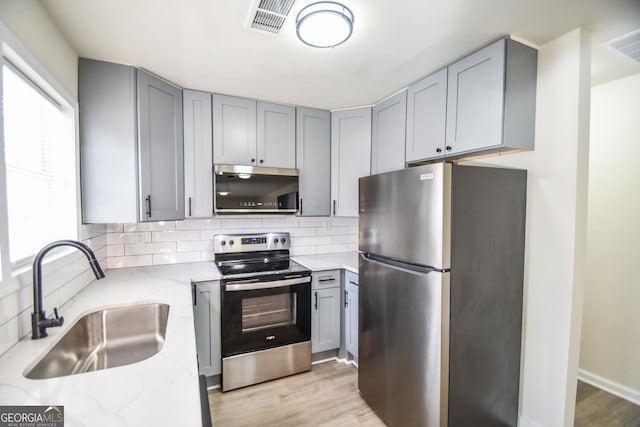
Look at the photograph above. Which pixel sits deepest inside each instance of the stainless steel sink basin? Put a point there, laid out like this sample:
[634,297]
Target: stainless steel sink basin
[106,339]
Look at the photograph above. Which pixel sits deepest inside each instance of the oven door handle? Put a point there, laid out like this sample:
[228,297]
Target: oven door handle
[253,285]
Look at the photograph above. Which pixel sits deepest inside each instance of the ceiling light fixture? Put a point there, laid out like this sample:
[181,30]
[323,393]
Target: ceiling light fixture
[324,24]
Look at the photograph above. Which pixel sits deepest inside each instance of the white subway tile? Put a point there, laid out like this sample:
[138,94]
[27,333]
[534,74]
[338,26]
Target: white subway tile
[286,222]
[229,223]
[337,221]
[353,230]
[303,250]
[24,323]
[150,226]
[8,307]
[8,335]
[352,247]
[308,241]
[332,231]
[115,228]
[350,238]
[175,236]
[130,261]
[149,248]
[206,256]
[314,222]
[176,258]
[198,245]
[115,250]
[71,289]
[329,249]
[198,224]
[297,232]
[130,238]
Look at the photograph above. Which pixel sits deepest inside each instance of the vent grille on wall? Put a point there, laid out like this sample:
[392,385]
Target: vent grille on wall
[628,45]
[270,15]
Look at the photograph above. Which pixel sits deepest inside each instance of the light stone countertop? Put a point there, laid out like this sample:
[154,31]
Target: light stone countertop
[161,390]
[342,260]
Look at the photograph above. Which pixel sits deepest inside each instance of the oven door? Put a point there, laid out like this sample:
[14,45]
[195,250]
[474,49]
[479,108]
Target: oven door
[258,314]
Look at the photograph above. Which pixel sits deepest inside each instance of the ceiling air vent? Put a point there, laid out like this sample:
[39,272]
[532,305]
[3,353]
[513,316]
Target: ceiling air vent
[269,15]
[628,45]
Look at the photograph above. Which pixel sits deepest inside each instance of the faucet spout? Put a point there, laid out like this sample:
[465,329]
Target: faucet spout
[39,321]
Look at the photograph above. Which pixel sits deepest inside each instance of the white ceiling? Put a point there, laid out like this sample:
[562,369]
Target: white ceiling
[204,44]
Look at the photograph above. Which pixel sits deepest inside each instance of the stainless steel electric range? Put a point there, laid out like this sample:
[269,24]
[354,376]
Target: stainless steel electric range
[265,309]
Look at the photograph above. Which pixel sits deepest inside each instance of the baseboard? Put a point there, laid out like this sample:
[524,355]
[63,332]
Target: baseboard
[336,359]
[609,386]
[526,422]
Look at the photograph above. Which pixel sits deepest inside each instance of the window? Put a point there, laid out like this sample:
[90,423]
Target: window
[39,163]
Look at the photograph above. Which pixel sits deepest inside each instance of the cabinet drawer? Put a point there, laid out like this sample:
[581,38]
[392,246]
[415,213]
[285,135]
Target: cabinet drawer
[325,279]
[350,278]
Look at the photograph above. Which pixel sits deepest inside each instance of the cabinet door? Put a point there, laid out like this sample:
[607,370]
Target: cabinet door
[198,154]
[206,313]
[313,159]
[388,134]
[107,98]
[351,318]
[160,148]
[350,157]
[475,100]
[276,135]
[426,117]
[325,319]
[234,130]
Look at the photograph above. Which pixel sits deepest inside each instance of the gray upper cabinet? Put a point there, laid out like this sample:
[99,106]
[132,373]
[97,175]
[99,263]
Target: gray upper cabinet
[426,117]
[198,154]
[247,132]
[313,158]
[491,99]
[160,146]
[276,137]
[388,134]
[128,116]
[350,157]
[234,130]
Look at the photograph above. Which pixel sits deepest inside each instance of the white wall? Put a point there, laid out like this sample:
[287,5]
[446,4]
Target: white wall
[610,350]
[29,22]
[555,231]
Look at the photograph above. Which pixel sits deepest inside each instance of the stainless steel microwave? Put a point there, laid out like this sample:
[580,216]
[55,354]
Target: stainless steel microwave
[250,189]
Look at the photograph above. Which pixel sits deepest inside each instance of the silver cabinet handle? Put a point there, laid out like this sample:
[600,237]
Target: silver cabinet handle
[327,279]
[149,205]
[346,298]
[300,206]
[334,207]
[189,206]
[316,303]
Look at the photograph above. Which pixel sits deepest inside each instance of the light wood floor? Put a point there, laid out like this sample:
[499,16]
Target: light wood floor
[328,396]
[597,408]
[325,396]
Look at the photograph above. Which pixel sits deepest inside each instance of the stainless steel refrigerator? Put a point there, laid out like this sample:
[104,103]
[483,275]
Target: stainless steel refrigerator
[440,295]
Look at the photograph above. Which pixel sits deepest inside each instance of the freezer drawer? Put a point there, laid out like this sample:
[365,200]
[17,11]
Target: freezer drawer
[404,324]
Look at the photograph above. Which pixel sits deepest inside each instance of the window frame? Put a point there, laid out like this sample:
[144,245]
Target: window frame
[16,55]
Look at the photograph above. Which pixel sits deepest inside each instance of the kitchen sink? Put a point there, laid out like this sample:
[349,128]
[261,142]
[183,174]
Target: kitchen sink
[106,339]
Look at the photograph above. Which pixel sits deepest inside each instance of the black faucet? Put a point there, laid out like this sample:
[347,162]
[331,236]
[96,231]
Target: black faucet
[39,322]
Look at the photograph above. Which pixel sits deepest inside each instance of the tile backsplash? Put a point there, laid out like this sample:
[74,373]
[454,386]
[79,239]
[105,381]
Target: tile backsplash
[152,243]
[171,242]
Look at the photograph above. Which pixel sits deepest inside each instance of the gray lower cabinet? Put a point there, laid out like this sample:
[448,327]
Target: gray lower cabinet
[388,134]
[325,305]
[252,133]
[491,100]
[313,159]
[198,154]
[131,145]
[206,313]
[426,117]
[351,313]
[350,157]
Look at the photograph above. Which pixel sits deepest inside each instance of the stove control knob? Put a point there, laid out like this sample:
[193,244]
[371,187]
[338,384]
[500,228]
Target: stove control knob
[275,240]
[283,240]
[224,242]
[230,242]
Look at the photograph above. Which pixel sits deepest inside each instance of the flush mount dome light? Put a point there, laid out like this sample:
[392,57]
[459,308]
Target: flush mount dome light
[324,24]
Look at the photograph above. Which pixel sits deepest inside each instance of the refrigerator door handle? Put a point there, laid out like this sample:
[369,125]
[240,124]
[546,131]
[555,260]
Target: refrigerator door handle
[392,263]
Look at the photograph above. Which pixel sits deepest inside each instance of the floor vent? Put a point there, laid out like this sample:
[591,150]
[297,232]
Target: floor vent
[269,15]
[628,45]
